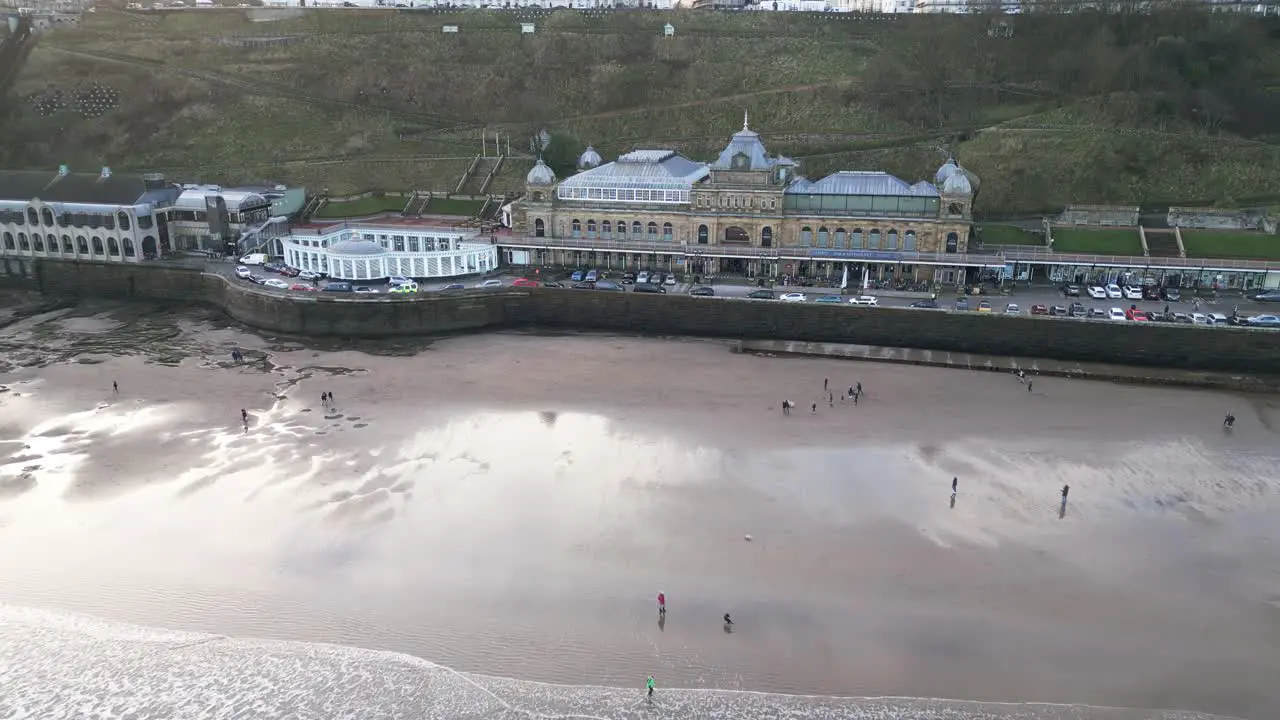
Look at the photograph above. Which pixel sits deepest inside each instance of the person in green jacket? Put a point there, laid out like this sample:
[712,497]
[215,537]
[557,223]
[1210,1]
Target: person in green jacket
[649,684]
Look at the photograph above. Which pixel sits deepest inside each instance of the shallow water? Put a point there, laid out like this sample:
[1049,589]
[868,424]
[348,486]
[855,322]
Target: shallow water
[59,666]
[511,505]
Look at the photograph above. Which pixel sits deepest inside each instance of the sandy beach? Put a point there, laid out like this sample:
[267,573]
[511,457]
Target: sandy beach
[511,504]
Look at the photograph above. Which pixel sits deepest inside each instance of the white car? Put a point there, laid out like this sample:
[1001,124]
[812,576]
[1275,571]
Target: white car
[489,284]
[1012,309]
[1132,293]
[395,280]
[276,283]
[1115,314]
[1218,319]
[792,297]
[864,300]
[1200,319]
[365,289]
[1114,292]
[308,275]
[1097,292]
[243,272]
[671,280]
[643,277]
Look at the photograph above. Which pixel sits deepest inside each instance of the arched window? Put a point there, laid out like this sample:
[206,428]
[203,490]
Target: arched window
[66,245]
[576,228]
[149,249]
[637,230]
[37,242]
[909,241]
[606,229]
[109,221]
[82,245]
[52,240]
[539,228]
[806,235]
[841,239]
[703,233]
[622,230]
[96,242]
[128,247]
[822,237]
[124,220]
[653,231]
[855,239]
[666,232]
[873,240]
[766,237]
[46,217]
[32,218]
[22,242]
[953,242]
[891,240]
[8,241]
[113,247]
[591,228]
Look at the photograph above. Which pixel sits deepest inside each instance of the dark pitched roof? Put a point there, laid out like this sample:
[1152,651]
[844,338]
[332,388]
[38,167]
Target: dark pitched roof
[74,187]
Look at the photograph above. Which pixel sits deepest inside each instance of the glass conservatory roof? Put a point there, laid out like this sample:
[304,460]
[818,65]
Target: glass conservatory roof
[642,169]
[862,182]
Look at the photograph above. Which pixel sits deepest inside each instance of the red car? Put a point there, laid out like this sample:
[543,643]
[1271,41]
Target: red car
[1039,310]
[300,286]
[1136,314]
[523,282]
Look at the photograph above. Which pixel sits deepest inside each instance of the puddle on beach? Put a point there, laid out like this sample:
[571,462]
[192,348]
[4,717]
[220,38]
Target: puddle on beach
[517,519]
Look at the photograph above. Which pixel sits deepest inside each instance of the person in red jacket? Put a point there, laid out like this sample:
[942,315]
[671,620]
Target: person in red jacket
[662,603]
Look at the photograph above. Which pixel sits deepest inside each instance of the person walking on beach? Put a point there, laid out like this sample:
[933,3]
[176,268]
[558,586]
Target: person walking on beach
[1065,489]
[814,410]
[115,387]
[662,603]
[850,391]
[728,620]
[1229,421]
[955,482]
[825,381]
[244,418]
[786,407]
[1029,384]
[831,400]
[858,390]
[649,685]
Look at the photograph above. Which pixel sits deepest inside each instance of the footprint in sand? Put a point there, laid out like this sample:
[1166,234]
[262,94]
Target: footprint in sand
[306,409]
[353,418]
[361,425]
[322,432]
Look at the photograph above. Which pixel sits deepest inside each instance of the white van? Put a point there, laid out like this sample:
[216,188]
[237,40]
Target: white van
[254,259]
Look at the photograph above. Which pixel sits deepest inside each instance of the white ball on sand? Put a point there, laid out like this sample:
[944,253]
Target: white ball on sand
[747,537]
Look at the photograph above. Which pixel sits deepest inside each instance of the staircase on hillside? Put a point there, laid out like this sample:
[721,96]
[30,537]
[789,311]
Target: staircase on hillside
[1162,243]
[480,176]
[416,205]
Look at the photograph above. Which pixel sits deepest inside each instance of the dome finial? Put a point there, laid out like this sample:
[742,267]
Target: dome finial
[744,121]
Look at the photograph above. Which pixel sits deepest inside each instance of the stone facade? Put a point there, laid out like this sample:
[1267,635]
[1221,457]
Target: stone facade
[744,201]
[1100,216]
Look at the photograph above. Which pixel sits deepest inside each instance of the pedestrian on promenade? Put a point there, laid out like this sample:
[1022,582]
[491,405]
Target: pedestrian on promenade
[1029,384]
[649,684]
[662,603]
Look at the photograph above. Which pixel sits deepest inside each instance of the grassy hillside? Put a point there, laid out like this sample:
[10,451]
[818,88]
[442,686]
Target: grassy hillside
[1047,110]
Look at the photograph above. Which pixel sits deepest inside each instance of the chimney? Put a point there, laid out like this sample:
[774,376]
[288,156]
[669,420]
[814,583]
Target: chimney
[63,171]
[106,172]
[153,181]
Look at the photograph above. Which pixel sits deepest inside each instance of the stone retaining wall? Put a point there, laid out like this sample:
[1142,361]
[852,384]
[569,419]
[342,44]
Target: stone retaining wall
[1143,344]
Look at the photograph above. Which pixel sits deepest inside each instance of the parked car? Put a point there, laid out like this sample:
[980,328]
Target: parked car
[1150,292]
[1077,310]
[647,288]
[1114,292]
[552,284]
[1268,321]
[578,275]
[1012,309]
[1115,314]
[761,295]
[864,300]
[591,276]
[491,283]
[1171,294]
[925,304]
[962,303]
[628,278]
[1131,292]
[1199,318]
[1097,314]
[364,290]
[671,279]
[1097,292]
[1179,317]
[302,287]
[273,266]
[984,307]
[398,280]
[243,272]
[1135,314]
[1071,290]
[1058,311]
[829,299]
[276,283]
[1218,319]
[405,289]
[1039,310]
[1268,296]
[792,297]
[254,259]
[643,277]
[608,285]
[309,275]
[337,287]
[454,286]
[703,291]
[583,286]
[523,282]
[289,271]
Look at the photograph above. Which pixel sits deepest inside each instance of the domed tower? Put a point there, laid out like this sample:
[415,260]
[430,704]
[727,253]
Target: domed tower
[539,181]
[957,187]
[589,159]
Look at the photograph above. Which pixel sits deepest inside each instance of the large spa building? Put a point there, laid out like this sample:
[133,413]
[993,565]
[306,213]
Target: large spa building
[746,212]
[387,247]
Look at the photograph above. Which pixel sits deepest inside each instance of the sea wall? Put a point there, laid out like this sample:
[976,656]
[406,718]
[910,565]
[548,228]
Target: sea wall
[1141,344]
